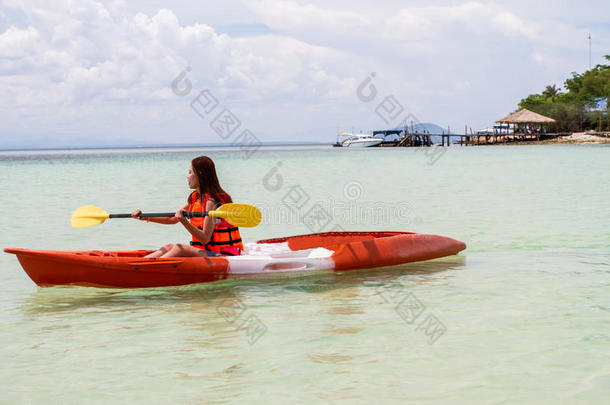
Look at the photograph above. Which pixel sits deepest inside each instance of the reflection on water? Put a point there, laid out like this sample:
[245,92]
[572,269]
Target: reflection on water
[67,298]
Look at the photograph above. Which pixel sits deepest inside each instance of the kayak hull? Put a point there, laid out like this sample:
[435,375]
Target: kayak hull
[295,255]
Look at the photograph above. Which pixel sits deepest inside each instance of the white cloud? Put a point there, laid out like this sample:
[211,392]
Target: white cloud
[98,64]
[461,85]
[16,43]
[283,67]
[510,24]
[85,54]
[290,16]
[548,62]
[409,23]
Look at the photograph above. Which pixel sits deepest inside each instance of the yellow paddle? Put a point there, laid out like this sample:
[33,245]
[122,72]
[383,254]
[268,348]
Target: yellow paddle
[236,214]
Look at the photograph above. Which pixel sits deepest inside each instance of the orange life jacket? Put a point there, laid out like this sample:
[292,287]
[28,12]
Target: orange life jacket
[225,239]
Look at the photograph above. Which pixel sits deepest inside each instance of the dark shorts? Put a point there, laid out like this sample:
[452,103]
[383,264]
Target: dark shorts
[210,253]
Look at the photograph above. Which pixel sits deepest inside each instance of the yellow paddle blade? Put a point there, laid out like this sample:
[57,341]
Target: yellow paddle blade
[238,214]
[88,215]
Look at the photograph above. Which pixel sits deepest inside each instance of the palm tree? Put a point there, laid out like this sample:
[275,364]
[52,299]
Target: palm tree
[550,92]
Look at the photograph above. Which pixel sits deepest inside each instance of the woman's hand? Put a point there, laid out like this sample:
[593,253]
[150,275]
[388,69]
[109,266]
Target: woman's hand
[137,214]
[179,213]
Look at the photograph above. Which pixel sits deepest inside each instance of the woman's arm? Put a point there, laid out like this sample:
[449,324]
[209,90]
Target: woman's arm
[137,214]
[204,235]
[164,220]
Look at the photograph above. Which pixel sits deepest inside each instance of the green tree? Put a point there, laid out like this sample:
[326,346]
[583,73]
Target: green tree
[532,102]
[573,110]
[550,92]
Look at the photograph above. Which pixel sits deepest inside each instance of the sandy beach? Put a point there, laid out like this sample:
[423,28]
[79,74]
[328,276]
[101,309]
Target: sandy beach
[580,137]
[574,138]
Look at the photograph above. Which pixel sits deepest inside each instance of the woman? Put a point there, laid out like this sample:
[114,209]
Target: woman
[210,236]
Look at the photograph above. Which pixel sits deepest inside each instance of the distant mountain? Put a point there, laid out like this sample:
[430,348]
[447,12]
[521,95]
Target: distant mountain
[428,126]
[425,126]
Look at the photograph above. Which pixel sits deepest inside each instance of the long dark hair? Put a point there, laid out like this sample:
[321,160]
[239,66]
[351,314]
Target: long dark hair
[205,170]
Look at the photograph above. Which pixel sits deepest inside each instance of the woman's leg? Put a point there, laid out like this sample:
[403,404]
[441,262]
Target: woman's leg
[158,253]
[180,250]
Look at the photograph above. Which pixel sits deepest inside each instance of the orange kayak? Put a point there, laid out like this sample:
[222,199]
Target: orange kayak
[303,254]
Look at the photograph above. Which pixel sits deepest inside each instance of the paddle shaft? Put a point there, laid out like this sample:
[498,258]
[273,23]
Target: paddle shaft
[161,214]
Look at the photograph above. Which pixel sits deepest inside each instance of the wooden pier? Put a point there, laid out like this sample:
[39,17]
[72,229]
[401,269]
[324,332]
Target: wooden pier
[521,126]
[416,140]
[488,139]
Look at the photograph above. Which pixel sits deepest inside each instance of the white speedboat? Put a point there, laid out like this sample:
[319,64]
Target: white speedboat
[351,140]
[498,129]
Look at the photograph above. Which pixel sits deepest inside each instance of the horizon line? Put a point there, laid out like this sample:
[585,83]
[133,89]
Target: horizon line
[162,146]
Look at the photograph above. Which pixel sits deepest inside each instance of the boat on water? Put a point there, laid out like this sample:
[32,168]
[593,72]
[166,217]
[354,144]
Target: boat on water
[351,140]
[497,129]
[279,257]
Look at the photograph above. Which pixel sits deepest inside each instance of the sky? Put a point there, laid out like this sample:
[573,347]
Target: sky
[84,73]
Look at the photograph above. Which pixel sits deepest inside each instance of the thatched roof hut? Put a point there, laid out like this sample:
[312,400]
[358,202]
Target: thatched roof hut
[526,116]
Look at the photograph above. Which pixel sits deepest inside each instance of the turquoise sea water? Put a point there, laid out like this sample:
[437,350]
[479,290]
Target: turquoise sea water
[523,315]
